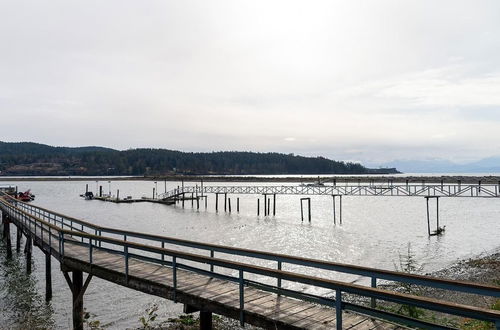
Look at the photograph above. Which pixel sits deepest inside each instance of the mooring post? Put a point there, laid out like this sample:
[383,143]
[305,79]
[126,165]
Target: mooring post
[48,277]
[205,320]
[229,201]
[216,202]
[77,300]
[274,205]
[238,204]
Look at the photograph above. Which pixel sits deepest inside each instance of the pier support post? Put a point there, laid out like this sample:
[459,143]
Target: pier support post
[258,206]
[77,300]
[216,202]
[6,233]
[268,206]
[265,205]
[340,208]
[192,199]
[28,250]
[48,277]
[274,205]
[18,239]
[308,199]
[238,204]
[438,229]
[205,320]
[78,289]
[225,202]
[229,202]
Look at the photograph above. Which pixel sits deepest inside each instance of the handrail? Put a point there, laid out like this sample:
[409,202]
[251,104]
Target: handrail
[455,285]
[339,287]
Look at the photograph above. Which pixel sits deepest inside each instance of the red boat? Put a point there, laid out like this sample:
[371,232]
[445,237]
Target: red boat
[26,196]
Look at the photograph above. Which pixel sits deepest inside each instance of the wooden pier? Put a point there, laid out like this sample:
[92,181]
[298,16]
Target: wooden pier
[204,282]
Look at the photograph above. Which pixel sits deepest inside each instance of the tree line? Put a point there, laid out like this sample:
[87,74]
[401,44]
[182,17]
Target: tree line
[26,158]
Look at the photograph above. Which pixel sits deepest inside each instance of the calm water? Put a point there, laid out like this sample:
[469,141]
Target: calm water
[375,231]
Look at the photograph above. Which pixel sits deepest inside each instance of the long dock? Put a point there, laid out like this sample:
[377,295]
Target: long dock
[377,190]
[203,281]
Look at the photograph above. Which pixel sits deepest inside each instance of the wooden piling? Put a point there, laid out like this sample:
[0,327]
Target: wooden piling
[340,208]
[225,202]
[428,217]
[28,250]
[117,193]
[48,277]
[100,191]
[258,206]
[301,211]
[334,213]
[197,203]
[216,202]
[77,300]
[6,232]
[153,193]
[206,201]
[192,199]
[205,320]
[274,205]
[18,239]
[229,204]
[238,204]
[265,205]
[268,206]
[309,207]
[86,188]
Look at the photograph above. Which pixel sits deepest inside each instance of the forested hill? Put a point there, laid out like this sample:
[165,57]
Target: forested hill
[26,158]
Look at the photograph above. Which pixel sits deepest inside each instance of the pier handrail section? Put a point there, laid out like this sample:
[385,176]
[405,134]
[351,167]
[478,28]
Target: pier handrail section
[55,231]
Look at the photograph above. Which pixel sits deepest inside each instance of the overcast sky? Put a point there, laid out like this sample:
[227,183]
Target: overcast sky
[368,81]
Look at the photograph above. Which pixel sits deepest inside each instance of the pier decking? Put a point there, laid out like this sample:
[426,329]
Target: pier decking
[244,290]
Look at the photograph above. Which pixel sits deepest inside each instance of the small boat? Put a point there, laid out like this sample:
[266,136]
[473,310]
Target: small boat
[26,196]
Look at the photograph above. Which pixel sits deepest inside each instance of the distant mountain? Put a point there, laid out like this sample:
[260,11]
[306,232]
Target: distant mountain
[486,165]
[27,158]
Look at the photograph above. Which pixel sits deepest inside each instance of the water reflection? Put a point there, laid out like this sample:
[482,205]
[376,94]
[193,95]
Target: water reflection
[21,305]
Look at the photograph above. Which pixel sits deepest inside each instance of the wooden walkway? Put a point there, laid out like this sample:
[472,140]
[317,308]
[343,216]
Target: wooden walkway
[134,260]
[272,309]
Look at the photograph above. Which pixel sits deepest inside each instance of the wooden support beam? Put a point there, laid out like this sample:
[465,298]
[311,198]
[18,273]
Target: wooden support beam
[225,202]
[238,204]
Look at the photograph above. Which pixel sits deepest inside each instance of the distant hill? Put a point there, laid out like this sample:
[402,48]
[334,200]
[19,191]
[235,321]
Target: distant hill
[27,158]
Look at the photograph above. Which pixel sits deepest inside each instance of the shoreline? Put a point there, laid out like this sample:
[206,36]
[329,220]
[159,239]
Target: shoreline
[309,178]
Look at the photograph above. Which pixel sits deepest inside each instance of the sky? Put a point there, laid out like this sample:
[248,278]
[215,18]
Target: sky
[367,81]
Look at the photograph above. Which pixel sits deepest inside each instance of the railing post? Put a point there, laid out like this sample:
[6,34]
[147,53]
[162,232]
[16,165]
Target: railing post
[90,252]
[211,265]
[174,276]
[338,308]
[162,254]
[126,264]
[374,285]
[242,300]
[279,278]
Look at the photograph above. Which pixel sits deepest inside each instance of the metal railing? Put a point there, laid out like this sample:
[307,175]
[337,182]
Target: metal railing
[55,230]
[410,190]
